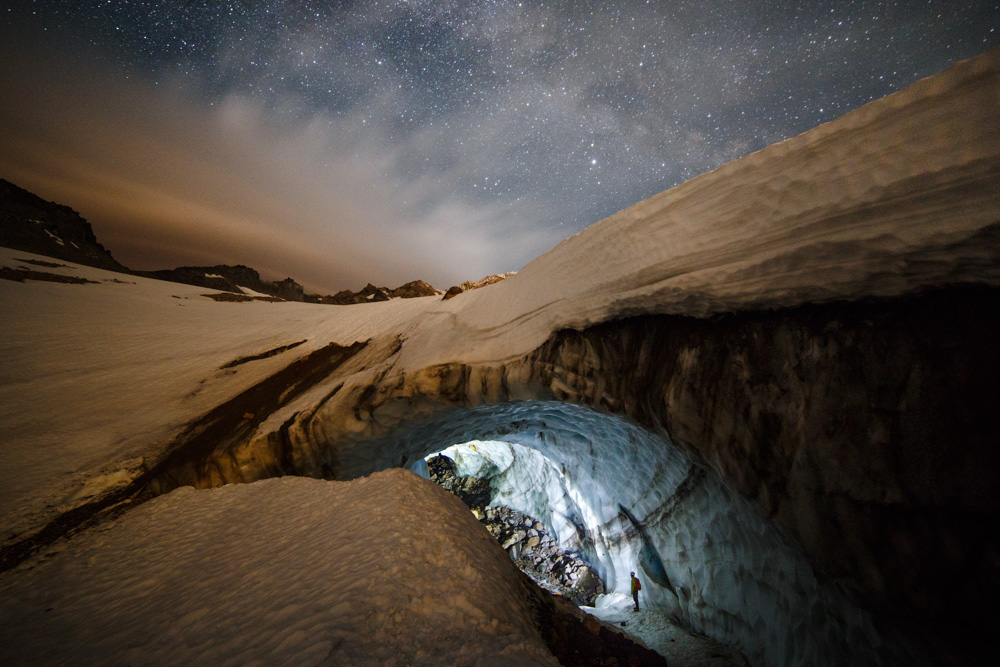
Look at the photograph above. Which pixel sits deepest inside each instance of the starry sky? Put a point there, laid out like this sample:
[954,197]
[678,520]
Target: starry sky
[361,141]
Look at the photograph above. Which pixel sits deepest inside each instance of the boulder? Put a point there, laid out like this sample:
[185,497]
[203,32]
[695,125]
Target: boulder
[452,292]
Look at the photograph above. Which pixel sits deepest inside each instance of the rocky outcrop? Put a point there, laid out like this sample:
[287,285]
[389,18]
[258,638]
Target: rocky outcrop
[488,280]
[473,491]
[286,289]
[413,289]
[31,224]
[369,293]
[455,290]
[21,274]
[452,292]
[539,556]
[229,279]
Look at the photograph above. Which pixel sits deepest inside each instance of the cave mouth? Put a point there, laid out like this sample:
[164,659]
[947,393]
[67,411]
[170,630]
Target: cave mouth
[520,497]
[629,499]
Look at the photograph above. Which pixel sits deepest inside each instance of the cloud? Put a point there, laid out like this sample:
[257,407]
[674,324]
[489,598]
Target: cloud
[441,140]
[321,198]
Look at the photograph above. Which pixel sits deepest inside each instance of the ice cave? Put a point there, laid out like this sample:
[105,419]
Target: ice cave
[771,391]
[710,558]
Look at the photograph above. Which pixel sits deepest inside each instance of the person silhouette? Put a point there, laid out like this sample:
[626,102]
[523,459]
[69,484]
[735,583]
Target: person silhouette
[636,587]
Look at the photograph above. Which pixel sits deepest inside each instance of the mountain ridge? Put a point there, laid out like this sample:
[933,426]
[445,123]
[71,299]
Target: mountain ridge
[32,224]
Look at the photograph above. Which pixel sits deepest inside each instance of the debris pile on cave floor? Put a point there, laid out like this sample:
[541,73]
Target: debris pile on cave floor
[473,491]
[524,538]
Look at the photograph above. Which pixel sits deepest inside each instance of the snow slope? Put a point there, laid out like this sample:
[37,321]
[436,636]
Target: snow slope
[385,570]
[894,196]
[94,377]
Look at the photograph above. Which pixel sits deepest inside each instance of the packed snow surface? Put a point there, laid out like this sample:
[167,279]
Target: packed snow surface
[384,570]
[654,629]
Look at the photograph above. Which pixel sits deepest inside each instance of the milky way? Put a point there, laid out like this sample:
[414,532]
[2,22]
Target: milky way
[449,139]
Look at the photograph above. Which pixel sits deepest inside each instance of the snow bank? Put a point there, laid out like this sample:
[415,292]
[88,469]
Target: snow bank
[897,195]
[386,570]
[252,292]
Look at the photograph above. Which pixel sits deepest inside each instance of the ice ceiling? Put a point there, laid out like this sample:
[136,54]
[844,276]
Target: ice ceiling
[726,571]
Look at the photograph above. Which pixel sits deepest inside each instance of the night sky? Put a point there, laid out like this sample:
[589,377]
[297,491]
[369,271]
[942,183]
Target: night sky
[347,142]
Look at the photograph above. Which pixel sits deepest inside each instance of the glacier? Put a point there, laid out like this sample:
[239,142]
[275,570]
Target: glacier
[784,370]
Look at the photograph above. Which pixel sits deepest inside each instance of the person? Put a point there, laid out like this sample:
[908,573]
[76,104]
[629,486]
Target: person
[636,587]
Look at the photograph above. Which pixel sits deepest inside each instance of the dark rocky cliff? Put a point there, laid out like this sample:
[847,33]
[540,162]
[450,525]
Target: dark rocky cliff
[369,293]
[31,224]
[229,279]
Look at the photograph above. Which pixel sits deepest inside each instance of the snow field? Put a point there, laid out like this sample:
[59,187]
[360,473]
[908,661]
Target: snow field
[384,570]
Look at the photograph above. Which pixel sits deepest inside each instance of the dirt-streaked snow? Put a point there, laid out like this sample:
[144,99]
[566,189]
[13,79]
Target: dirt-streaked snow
[94,377]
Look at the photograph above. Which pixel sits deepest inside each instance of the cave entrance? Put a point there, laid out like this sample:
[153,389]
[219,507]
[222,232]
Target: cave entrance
[567,466]
[521,497]
[626,498]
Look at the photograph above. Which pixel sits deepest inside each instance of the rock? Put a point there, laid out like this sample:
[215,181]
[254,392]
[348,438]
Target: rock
[230,279]
[455,290]
[31,224]
[452,292]
[513,539]
[483,282]
[413,289]
[523,537]
[369,293]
